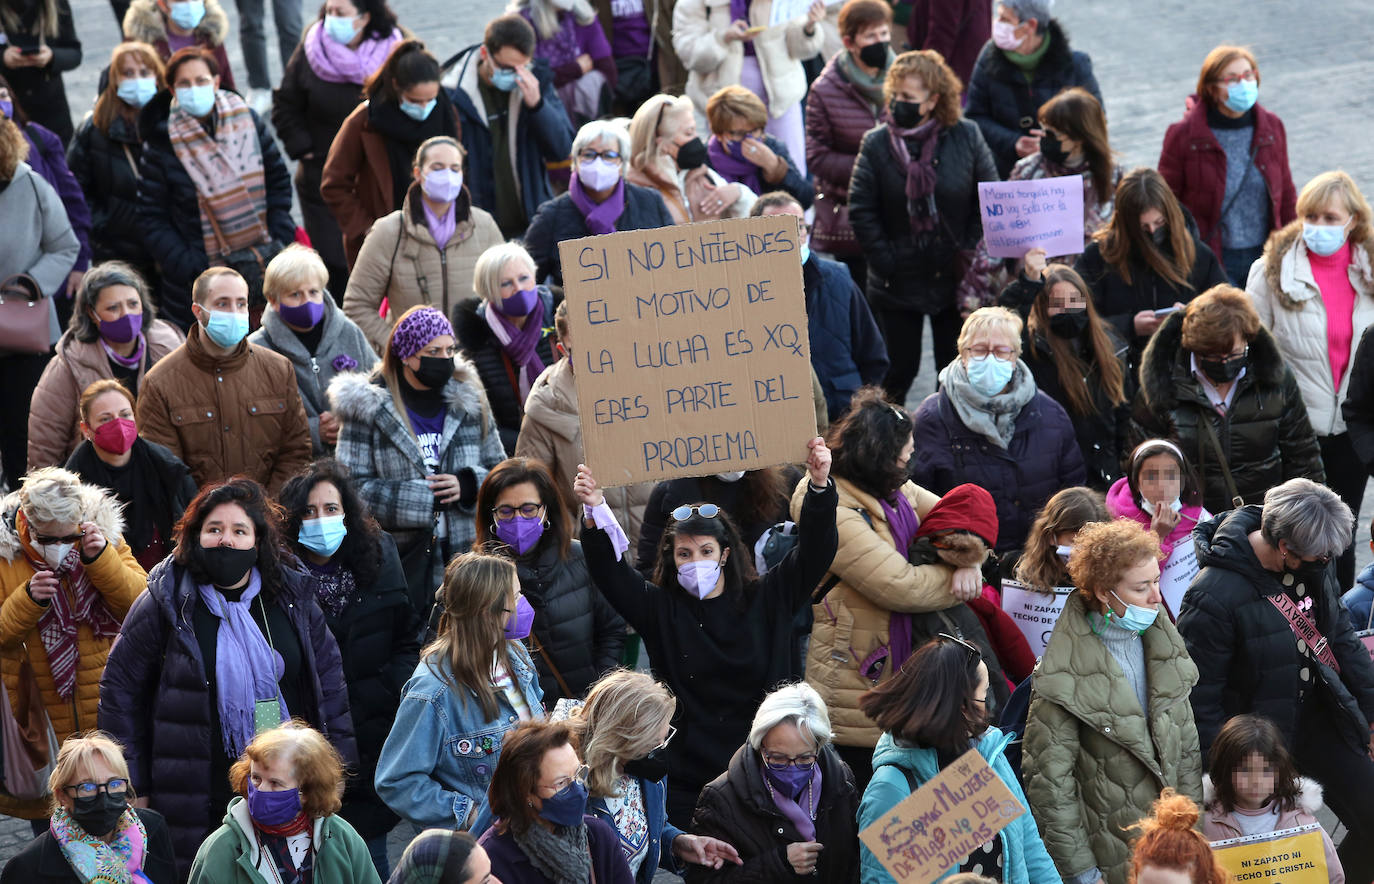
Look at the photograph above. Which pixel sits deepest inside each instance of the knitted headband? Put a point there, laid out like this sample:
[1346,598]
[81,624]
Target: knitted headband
[1151,447]
[416,330]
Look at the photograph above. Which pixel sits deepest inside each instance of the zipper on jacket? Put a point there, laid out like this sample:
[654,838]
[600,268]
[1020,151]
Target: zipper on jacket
[443,270]
[315,367]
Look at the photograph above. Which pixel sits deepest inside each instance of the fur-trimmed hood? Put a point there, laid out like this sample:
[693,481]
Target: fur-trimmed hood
[144,23]
[360,397]
[1309,794]
[1290,279]
[98,505]
[1164,365]
[958,549]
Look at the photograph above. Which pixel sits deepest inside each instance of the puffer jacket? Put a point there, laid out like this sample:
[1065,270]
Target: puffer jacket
[145,23]
[1094,761]
[500,377]
[1291,306]
[1244,648]
[1006,105]
[342,347]
[1042,458]
[573,623]
[850,624]
[308,110]
[39,89]
[1266,436]
[264,435]
[114,574]
[1121,505]
[837,116]
[712,63]
[155,699]
[906,272]
[400,263]
[1358,407]
[736,807]
[54,409]
[552,432]
[1024,859]
[1220,825]
[560,219]
[105,165]
[48,157]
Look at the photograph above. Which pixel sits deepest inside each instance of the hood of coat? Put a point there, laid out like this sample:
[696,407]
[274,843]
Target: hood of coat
[1223,541]
[960,549]
[144,23]
[1310,794]
[1281,259]
[923,760]
[97,505]
[160,336]
[1164,364]
[552,401]
[360,397]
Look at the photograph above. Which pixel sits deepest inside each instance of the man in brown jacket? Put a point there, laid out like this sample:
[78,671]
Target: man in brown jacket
[222,405]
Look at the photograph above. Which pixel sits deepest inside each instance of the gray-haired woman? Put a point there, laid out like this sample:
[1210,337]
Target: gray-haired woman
[599,199]
[1264,624]
[787,802]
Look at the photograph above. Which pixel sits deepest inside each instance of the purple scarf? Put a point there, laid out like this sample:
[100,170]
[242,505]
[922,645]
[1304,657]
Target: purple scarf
[521,345]
[729,161]
[920,170]
[334,62]
[804,818]
[601,217]
[440,228]
[126,361]
[902,522]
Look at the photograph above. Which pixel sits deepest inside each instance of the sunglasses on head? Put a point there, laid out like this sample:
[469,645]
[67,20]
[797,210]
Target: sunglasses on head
[705,510]
[974,653]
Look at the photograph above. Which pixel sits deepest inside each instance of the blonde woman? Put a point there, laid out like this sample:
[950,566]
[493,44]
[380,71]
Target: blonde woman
[667,154]
[474,683]
[96,834]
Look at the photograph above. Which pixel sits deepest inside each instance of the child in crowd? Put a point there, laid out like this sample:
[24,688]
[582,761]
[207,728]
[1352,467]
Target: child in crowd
[1169,846]
[1041,565]
[1254,788]
[1359,599]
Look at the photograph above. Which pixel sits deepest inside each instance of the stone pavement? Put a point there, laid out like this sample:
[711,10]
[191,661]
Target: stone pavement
[1314,62]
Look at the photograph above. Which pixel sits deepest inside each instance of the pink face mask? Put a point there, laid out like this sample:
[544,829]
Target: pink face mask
[1004,36]
[699,578]
[116,436]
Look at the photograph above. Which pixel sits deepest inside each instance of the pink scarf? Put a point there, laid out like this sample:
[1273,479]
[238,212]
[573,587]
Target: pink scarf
[227,171]
[920,170]
[334,62]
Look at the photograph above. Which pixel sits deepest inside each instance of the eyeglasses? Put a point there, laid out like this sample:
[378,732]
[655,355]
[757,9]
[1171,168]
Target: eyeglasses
[611,156]
[505,512]
[563,783]
[981,351]
[1227,357]
[705,510]
[116,786]
[974,653]
[672,732]
[69,538]
[778,761]
[1233,79]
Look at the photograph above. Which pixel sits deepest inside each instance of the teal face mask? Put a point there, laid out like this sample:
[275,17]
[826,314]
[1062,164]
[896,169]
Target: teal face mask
[503,79]
[1242,95]
[418,112]
[322,536]
[990,375]
[226,329]
[197,101]
[1136,618]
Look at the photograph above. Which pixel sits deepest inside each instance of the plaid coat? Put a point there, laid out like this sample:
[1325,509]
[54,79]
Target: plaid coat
[379,449]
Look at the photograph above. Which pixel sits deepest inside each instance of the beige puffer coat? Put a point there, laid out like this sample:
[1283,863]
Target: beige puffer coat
[851,621]
[400,262]
[1290,304]
[1093,762]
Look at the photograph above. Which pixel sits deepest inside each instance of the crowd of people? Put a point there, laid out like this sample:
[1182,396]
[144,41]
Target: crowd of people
[300,542]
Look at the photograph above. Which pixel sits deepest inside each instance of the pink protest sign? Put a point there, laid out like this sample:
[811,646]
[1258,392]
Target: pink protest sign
[1046,213]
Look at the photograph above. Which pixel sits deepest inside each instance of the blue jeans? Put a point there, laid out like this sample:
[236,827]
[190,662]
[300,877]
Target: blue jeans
[253,36]
[1236,263]
[377,848]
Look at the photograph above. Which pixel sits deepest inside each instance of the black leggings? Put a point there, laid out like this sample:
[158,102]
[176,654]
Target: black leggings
[902,332]
[18,376]
[1346,476]
[1347,776]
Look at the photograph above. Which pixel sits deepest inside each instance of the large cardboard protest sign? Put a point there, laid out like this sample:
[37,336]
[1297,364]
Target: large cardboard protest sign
[690,348]
[1178,572]
[942,822]
[1043,213]
[1034,613]
[1288,856]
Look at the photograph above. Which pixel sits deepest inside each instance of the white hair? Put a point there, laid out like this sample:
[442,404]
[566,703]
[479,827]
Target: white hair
[598,129]
[1311,517]
[486,274]
[51,494]
[797,704]
[1036,9]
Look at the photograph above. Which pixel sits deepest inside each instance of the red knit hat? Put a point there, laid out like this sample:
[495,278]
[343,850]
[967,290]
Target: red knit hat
[965,508]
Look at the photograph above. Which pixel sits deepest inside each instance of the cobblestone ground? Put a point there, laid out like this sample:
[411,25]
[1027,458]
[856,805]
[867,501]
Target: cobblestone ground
[1146,56]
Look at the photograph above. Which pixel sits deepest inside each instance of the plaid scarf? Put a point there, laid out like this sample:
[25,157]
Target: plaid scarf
[227,172]
[94,861]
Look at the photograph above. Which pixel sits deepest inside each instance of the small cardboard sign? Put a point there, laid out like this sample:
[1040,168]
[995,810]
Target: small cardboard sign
[784,11]
[1178,572]
[1034,613]
[690,348]
[1289,856]
[941,823]
[1043,213]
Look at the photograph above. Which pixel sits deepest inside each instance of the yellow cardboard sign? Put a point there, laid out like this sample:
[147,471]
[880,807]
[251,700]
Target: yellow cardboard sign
[1289,856]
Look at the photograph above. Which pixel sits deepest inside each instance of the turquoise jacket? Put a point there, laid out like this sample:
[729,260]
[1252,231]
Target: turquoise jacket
[1024,859]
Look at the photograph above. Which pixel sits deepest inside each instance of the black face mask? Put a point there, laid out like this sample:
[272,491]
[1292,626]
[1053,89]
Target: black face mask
[1222,371]
[100,813]
[1160,235]
[691,155]
[874,55]
[652,767]
[1052,149]
[1070,323]
[906,114]
[1309,574]
[434,371]
[225,566]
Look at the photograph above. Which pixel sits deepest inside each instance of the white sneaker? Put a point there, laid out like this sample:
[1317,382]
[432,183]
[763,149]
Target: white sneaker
[260,100]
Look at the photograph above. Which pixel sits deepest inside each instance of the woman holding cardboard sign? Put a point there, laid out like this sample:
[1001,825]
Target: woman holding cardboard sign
[718,635]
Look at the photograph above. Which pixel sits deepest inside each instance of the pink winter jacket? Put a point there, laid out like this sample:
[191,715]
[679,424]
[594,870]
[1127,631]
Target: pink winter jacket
[1219,825]
[1121,505]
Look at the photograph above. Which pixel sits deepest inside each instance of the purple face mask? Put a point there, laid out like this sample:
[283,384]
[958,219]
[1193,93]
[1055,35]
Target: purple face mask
[791,780]
[699,578]
[519,623]
[520,303]
[305,315]
[273,808]
[122,330]
[520,533]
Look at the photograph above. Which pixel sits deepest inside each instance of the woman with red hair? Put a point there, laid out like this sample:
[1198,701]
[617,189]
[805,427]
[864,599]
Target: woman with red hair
[1170,845]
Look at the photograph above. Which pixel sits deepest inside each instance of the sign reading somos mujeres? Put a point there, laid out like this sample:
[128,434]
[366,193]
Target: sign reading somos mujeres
[690,348]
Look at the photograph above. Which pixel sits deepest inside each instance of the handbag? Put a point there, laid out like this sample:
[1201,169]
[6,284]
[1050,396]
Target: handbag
[250,262]
[417,561]
[29,744]
[831,232]
[24,321]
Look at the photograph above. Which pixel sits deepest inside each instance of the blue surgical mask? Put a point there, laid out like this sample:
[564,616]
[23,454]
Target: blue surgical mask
[1242,95]
[137,91]
[806,251]
[197,101]
[990,375]
[226,329]
[1324,239]
[1136,618]
[186,14]
[418,112]
[503,78]
[567,806]
[322,536]
[340,29]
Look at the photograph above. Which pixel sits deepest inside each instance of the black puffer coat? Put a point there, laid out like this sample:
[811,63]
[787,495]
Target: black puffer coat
[573,622]
[904,272]
[560,219]
[736,808]
[1245,651]
[1266,437]
[307,110]
[500,376]
[154,699]
[105,165]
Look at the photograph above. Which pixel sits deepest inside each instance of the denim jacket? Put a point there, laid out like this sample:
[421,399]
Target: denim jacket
[661,832]
[439,757]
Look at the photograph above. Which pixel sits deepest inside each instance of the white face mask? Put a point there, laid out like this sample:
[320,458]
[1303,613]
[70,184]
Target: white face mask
[730,477]
[1063,552]
[1149,508]
[55,553]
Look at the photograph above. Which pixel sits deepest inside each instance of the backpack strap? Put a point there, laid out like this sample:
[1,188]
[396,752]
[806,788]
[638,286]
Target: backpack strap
[906,772]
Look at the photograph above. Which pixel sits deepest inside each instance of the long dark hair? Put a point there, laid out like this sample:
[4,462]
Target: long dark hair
[408,64]
[516,471]
[361,550]
[1073,373]
[381,20]
[738,568]
[865,443]
[1076,113]
[929,702]
[1123,239]
[265,515]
